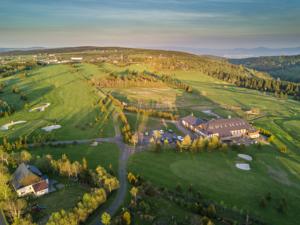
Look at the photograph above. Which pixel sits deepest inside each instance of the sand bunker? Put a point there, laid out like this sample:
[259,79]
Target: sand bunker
[243,166]
[246,157]
[6,126]
[211,113]
[40,108]
[50,128]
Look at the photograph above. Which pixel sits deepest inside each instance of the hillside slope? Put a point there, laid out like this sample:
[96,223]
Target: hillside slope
[283,67]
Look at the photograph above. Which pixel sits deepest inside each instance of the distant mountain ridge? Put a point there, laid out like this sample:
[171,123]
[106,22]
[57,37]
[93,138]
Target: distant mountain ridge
[20,49]
[243,52]
[237,53]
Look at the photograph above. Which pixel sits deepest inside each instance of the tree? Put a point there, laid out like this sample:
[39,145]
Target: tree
[126,218]
[283,149]
[5,190]
[105,218]
[206,221]
[134,139]
[211,210]
[4,156]
[134,191]
[25,156]
[156,135]
[186,143]
[14,208]
[132,178]
[23,221]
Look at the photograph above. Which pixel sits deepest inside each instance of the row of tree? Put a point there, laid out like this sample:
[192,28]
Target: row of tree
[64,167]
[15,67]
[128,136]
[272,139]
[171,81]
[128,79]
[281,88]
[187,144]
[9,146]
[151,112]
[79,214]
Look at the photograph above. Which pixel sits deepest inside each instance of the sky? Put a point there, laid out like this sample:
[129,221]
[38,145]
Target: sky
[218,24]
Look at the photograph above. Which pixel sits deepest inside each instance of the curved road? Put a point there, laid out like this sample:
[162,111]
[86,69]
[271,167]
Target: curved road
[126,151]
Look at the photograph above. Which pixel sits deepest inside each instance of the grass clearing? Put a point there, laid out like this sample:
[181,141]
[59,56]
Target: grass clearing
[65,198]
[104,154]
[215,176]
[72,105]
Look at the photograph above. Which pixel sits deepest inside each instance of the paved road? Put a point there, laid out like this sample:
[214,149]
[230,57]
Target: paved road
[2,218]
[126,151]
[71,142]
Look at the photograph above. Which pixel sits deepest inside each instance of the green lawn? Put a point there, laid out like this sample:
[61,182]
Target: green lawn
[72,105]
[65,198]
[215,176]
[104,154]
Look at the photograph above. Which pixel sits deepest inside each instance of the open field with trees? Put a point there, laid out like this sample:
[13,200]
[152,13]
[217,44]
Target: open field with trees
[214,175]
[105,154]
[64,88]
[87,100]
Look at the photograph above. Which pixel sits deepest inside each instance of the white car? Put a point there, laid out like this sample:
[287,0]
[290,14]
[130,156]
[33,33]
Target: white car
[179,138]
[161,132]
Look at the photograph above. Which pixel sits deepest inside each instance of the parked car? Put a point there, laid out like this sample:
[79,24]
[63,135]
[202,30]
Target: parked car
[161,132]
[146,133]
[180,138]
[170,131]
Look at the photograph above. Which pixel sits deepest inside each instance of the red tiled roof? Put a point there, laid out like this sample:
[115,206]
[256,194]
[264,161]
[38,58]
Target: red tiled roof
[40,186]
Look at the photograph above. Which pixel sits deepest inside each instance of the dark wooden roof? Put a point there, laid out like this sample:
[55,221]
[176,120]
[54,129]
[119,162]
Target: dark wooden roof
[224,126]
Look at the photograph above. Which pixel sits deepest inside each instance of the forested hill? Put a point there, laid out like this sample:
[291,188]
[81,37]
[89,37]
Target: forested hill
[283,67]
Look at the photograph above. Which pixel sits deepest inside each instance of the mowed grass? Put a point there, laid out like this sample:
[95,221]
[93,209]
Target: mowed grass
[73,105]
[215,176]
[62,199]
[105,154]
[150,97]
[143,123]
[293,127]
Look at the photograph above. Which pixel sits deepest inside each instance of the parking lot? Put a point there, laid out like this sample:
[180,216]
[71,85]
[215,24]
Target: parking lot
[160,135]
